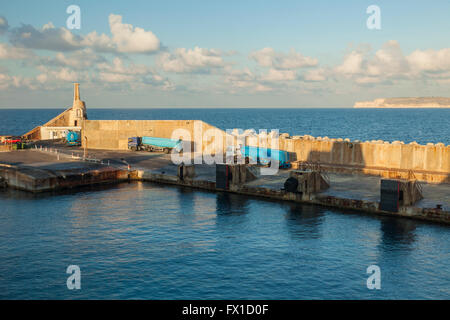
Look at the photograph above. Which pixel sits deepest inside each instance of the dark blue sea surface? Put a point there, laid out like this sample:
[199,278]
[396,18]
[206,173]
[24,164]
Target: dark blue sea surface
[420,125]
[146,241]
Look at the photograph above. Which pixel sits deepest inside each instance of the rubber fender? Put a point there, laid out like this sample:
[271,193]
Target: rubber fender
[291,184]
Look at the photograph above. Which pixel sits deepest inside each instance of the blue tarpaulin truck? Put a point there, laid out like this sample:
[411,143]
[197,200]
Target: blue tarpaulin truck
[153,144]
[265,156]
[73,138]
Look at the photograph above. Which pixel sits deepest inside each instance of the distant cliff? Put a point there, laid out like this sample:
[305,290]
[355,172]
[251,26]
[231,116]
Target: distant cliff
[426,102]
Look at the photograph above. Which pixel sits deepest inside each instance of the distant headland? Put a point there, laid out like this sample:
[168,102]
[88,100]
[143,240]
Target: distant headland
[422,102]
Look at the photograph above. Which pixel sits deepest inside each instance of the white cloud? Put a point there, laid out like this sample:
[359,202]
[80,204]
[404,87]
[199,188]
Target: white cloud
[9,52]
[129,39]
[46,38]
[279,75]
[267,57]
[115,77]
[388,61]
[5,81]
[117,71]
[125,38]
[61,74]
[238,78]
[3,25]
[10,82]
[191,60]
[119,67]
[100,43]
[387,64]
[80,59]
[352,64]
[244,79]
[430,60]
[319,74]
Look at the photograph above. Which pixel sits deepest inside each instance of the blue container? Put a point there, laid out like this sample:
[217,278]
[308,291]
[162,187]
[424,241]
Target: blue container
[282,156]
[162,142]
[265,155]
[73,138]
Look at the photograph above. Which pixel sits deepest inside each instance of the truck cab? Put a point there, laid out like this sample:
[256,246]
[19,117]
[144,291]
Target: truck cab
[134,143]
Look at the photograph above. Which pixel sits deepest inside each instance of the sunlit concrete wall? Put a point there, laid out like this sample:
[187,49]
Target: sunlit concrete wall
[431,158]
[395,155]
[114,134]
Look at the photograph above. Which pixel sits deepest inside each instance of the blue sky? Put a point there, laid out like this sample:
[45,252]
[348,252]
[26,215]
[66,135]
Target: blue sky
[223,53]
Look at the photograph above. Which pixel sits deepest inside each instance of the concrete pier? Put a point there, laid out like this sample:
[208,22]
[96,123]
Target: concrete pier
[38,170]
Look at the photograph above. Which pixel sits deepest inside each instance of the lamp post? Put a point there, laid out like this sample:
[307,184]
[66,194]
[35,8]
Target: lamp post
[85,147]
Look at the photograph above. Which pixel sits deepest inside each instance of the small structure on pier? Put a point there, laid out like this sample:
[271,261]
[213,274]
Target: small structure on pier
[71,119]
[396,193]
[306,182]
[228,175]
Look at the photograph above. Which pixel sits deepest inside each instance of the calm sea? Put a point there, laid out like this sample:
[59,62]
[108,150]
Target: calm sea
[421,125]
[142,240]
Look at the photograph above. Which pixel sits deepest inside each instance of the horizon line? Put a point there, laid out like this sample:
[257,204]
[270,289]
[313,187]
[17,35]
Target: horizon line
[192,107]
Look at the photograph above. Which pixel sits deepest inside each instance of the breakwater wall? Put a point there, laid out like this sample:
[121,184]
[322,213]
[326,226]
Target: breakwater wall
[114,134]
[429,162]
[426,162]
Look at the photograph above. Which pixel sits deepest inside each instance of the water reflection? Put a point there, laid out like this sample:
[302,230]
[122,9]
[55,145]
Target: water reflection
[231,204]
[10,193]
[107,207]
[304,221]
[186,199]
[397,234]
[196,210]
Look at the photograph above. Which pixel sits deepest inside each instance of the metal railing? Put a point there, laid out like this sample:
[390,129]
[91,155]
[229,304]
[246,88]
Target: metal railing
[314,166]
[412,176]
[69,155]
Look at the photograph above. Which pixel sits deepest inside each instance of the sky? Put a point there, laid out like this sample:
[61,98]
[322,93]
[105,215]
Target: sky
[196,53]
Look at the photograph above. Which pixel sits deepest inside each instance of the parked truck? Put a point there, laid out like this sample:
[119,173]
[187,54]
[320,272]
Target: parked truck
[154,144]
[15,143]
[265,156]
[73,138]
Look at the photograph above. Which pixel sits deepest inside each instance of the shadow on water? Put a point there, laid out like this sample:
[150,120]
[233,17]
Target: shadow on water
[186,198]
[304,221]
[10,193]
[397,234]
[231,204]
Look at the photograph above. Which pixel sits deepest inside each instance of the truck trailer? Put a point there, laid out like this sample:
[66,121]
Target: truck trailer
[154,144]
[265,156]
